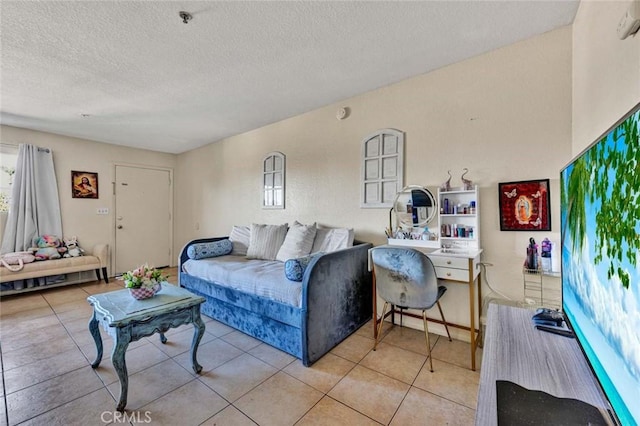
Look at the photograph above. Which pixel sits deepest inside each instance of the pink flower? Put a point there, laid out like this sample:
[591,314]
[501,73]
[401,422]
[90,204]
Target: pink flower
[143,276]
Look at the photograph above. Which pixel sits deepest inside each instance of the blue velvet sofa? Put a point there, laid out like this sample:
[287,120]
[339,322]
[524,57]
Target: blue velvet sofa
[336,301]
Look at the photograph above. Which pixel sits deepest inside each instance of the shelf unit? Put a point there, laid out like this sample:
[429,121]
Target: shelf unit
[46,282]
[459,227]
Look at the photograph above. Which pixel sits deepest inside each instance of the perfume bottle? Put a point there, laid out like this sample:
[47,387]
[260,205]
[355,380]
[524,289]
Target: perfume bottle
[532,255]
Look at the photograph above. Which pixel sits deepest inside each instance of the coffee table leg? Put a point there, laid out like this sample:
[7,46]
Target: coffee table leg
[118,360]
[95,332]
[198,332]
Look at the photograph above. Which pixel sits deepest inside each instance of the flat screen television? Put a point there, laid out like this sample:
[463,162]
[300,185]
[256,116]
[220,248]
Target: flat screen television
[600,229]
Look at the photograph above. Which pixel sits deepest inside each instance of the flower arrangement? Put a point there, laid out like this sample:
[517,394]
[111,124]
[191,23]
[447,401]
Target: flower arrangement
[144,276]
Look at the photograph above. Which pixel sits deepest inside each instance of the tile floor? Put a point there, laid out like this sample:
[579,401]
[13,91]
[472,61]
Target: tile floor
[46,350]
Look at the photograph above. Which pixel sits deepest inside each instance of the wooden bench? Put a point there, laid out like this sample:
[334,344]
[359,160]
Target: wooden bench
[96,260]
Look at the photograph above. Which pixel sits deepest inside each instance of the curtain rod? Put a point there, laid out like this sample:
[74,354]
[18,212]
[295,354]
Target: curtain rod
[47,150]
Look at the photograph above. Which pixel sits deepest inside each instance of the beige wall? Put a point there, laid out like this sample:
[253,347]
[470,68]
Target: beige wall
[606,70]
[505,115]
[517,113]
[79,216]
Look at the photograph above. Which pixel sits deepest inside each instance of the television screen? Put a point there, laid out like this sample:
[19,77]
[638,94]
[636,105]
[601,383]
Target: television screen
[600,226]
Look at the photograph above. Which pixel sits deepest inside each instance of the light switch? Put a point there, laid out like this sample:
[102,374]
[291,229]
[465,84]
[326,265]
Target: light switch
[103,210]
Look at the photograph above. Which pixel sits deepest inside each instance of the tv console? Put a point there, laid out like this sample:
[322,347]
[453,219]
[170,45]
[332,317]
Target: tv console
[516,352]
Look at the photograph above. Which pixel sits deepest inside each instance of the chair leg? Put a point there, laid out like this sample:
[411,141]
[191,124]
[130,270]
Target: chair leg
[426,333]
[384,309]
[446,327]
[393,314]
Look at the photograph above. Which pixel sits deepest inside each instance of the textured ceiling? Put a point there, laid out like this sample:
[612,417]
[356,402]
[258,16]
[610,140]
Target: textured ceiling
[147,80]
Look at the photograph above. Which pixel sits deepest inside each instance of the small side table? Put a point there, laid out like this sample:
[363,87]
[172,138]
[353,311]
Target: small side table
[127,320]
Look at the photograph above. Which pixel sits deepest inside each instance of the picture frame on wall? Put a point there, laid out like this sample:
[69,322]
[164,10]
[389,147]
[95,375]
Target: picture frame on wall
[525,205]
[84,184]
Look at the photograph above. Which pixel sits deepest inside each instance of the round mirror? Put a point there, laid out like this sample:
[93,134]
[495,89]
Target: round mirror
[414,206]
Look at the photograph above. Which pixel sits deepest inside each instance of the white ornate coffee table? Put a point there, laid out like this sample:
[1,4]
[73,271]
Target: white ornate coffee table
[127,320]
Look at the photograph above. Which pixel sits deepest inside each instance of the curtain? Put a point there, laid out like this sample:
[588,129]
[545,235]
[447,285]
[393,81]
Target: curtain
[35,205]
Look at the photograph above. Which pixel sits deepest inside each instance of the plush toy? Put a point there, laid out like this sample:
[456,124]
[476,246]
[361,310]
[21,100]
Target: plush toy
[48,247]
[73,249]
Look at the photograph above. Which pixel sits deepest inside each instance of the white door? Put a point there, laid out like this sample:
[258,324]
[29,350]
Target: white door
[143,222]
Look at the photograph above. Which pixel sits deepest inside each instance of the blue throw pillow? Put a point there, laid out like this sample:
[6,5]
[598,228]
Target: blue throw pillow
[294,268]
[212,249]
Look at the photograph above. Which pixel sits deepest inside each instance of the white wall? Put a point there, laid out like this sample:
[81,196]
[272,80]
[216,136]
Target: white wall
[79,216]
[505,115]
[606,71]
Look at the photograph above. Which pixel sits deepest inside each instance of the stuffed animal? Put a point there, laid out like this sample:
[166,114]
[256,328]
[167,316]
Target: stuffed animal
[48,247]
[73,249]
[15,261]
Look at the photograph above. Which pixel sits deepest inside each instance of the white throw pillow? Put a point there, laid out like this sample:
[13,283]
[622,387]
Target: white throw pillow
[265,241]
[240,237]
[332,239]
[298,242]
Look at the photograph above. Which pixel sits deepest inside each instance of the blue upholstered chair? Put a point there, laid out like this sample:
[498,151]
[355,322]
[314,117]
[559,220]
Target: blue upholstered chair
[406,278]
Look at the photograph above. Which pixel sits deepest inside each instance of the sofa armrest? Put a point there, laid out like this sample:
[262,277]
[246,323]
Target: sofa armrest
[336,299]
[101,251]
[183,253]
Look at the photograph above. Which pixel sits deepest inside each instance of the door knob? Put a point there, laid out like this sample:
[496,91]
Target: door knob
[119,226]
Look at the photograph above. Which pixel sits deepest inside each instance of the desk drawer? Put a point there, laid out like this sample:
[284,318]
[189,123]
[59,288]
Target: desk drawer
[452,274]
[450,262]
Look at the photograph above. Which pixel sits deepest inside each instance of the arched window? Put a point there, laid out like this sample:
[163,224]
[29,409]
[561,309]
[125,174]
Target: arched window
[382,168]
[273,171]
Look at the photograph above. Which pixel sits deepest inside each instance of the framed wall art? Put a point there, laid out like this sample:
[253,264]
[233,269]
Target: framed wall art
[524,205]
[84,184]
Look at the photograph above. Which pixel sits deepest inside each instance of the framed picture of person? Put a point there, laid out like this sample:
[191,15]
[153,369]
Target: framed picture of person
[84,184]
[524,206]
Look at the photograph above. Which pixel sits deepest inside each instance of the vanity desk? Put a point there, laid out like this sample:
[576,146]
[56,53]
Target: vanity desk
[458,225]
[454,266]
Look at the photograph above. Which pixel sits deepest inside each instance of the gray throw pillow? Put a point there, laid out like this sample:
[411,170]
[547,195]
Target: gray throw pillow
[265,241]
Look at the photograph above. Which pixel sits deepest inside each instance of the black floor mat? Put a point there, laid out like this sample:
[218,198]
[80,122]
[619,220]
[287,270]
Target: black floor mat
[523,407]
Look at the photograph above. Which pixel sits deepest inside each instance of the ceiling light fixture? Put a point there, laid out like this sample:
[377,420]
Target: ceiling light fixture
[186,16]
